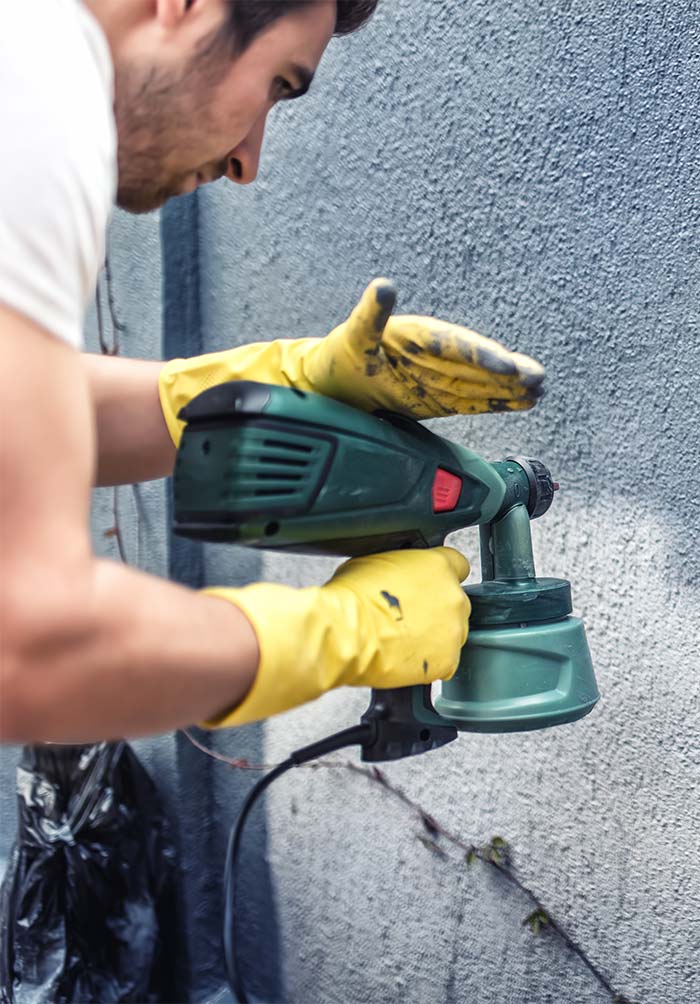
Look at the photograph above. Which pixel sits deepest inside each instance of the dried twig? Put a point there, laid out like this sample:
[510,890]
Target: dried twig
[496,853]
[112,349]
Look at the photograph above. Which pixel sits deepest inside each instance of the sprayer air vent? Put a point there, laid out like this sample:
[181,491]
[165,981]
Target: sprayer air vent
[247,468]
[278,476]
[284,444]
[287,461]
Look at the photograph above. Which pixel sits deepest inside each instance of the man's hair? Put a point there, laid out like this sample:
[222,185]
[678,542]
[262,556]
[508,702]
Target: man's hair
[248,18]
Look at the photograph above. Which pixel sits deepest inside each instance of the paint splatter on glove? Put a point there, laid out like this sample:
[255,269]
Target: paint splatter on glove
[418,366]
[386,620]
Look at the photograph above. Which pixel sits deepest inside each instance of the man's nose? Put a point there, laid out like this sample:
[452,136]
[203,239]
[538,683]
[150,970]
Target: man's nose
[245,158]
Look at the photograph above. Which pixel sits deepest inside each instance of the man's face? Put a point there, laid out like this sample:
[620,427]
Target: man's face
[188,112]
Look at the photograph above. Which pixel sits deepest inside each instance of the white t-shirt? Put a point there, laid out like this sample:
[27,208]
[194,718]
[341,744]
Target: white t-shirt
[57,160]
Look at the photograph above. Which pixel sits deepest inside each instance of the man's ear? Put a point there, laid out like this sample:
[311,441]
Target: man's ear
[171,12]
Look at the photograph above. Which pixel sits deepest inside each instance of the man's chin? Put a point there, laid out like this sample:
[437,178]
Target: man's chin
[142,200]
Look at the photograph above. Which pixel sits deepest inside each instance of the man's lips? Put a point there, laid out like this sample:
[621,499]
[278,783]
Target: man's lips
[204,177]
[197,178]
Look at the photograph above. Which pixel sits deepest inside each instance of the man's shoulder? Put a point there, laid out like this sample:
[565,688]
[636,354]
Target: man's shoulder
[58,165]
[56,70]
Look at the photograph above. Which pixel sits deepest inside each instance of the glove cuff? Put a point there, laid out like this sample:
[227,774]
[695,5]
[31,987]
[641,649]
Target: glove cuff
[170,402]
[279,362]
[295,629]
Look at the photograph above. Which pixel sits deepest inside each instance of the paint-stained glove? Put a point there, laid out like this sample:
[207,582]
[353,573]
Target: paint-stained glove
[418,366]
[387,620]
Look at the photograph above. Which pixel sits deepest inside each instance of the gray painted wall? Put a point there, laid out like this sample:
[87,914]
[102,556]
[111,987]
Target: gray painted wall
[532,170]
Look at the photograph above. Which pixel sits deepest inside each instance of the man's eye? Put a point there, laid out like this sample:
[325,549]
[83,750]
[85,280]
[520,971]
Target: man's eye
[283,89]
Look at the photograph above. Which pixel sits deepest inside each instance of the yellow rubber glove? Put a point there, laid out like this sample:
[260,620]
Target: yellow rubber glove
[418,366]
[387,620]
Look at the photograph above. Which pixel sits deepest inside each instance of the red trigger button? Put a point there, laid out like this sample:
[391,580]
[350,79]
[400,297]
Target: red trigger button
[446,490]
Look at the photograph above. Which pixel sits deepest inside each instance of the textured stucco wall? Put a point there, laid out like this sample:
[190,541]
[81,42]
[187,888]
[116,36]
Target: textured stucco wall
[532,170]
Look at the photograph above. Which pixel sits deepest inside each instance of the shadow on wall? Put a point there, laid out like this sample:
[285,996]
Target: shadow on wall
[210,795]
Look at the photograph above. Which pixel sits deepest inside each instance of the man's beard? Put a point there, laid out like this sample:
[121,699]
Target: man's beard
[140,198]
[153,109]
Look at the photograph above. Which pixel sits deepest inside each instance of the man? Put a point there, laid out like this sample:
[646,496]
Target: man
[149,99]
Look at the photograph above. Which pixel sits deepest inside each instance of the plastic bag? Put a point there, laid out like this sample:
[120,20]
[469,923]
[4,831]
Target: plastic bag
[87,906]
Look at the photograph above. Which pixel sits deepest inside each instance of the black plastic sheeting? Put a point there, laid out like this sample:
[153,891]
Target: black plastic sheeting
[87,907]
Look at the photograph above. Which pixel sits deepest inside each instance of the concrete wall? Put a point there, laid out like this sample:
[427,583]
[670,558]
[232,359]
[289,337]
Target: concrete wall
[531,170]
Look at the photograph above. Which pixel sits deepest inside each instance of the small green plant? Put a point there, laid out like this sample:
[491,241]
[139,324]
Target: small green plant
[536,920]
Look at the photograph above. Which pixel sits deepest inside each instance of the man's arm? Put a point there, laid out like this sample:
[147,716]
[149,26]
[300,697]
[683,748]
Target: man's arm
[133,442]
[90,649]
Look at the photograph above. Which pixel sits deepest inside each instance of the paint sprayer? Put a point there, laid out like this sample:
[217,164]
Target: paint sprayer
[273,467]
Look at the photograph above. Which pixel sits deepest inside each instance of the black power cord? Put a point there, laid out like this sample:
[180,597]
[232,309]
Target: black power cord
[357,735]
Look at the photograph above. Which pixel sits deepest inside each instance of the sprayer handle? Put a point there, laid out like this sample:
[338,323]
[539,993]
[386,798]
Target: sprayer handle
[406,724]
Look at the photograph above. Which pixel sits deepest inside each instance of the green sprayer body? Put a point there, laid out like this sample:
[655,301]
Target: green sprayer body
[273,467]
